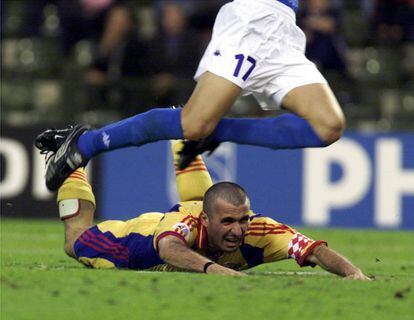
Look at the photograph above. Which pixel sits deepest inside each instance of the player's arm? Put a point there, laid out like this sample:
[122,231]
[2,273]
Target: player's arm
[174,251]
[193,181]
[280,241]
[334,262]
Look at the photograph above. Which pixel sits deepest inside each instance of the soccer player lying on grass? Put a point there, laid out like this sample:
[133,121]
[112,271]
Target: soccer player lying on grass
[211,230]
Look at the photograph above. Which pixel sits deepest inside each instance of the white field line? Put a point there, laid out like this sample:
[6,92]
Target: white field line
[260,273]
[288,273]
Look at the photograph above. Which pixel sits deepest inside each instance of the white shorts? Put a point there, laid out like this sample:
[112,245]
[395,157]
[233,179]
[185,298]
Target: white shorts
[258,46]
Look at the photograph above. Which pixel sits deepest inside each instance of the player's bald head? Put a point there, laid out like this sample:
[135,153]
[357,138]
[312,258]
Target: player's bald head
[230,192]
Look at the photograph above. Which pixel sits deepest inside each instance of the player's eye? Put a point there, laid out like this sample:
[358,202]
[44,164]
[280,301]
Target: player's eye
[244,220]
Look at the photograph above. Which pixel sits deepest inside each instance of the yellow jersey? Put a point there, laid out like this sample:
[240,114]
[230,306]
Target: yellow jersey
[133,243]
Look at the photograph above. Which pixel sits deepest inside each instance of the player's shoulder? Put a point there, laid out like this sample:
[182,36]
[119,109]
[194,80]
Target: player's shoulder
[193,208]
[258,219]
[182,213]
[263,229]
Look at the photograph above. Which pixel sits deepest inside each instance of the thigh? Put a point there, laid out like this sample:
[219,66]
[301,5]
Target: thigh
[211,100]
[315,102]
[213,95]
[231,61]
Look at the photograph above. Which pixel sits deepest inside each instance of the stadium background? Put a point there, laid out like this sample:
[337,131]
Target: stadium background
[95,61]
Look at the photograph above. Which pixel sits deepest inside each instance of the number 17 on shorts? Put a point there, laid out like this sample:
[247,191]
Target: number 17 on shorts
[241,61]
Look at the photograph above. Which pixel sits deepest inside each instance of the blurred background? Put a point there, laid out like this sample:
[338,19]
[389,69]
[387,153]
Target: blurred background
[100,60]
[96,61]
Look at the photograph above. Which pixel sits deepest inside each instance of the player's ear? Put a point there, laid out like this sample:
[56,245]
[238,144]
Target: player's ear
[204,219]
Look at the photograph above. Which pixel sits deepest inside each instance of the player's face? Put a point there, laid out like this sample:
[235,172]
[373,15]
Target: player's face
[227,226]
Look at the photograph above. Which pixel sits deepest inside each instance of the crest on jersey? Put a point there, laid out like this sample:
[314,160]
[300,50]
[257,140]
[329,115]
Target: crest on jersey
[182,229]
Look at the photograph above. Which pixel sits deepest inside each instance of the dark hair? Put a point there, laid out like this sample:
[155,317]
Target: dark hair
[228,191]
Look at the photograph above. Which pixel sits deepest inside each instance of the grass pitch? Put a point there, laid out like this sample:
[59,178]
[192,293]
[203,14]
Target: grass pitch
[39,282]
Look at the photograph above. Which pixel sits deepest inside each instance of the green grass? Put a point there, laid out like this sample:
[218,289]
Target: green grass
[39,282]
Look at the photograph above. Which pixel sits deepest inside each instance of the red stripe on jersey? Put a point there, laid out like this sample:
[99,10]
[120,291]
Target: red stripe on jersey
[190,219]
[201,165]
[177,173]
[84,242]
[88,243]
[192,164]
[274,226]
[78,173]
[262,224]
[264,233]
[310,250]
[285,227]
[111,243]
[264,228]
[169,233]
[78,176]
[114,247]
[187,218]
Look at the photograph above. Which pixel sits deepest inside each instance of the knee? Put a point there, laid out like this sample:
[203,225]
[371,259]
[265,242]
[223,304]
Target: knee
[196,128]
[197,131]
[68,248]
[332,129]
[71,235]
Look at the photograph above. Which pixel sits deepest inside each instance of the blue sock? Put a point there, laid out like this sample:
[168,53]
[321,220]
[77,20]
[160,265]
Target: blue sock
[287,131]
[151,126]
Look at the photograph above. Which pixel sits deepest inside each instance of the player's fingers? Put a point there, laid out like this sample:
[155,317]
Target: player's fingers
[236,273]
[358,276]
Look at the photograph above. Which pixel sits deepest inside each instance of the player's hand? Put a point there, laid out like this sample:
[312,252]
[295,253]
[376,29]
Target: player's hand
[358,275]
[218,269]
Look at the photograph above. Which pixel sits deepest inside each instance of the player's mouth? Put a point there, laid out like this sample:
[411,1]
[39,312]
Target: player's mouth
[232,242]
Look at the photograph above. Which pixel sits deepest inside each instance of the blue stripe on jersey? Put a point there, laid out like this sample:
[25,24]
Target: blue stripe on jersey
[294,4]
[256,215]
[134,251]
[142,252]
[176,208]
[252,255]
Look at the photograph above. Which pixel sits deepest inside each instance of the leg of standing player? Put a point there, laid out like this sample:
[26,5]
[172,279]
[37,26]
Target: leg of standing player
[317,104]
[316,121]
[257,47]
[211,100]
[319,120]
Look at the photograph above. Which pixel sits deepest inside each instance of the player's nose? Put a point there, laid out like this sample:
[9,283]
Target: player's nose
[237,230]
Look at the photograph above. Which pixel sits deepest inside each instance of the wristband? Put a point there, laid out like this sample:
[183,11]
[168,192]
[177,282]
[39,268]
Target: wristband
[207,265]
